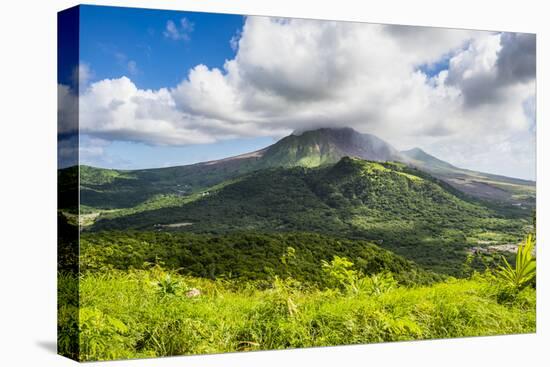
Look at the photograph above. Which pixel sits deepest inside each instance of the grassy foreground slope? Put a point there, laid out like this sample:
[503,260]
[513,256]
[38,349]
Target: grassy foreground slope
[146,313]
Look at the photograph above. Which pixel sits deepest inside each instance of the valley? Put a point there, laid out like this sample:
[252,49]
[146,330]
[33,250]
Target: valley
[409,202]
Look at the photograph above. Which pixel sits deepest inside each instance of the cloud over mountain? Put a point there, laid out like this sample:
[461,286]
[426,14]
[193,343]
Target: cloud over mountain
[291,74]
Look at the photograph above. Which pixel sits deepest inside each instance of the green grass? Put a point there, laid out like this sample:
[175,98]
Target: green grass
[124,314]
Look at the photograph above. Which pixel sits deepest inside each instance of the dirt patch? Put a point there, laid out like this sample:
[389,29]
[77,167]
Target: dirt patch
[174,225]
[506,247]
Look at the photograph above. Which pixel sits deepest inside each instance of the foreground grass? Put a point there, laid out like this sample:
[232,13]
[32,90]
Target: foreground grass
[146,313]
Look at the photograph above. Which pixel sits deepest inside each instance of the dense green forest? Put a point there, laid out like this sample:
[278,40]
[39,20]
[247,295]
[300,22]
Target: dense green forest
[397,207]
[241,256]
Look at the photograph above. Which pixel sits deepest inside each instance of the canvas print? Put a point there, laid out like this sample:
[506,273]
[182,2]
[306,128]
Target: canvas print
[241,183]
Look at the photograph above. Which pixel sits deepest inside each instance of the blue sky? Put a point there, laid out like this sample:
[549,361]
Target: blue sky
[162,88]
[433,69]
[111,37]
[117,41]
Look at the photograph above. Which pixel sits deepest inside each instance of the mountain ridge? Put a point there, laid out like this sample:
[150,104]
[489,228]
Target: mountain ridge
[419,156]
[103,188]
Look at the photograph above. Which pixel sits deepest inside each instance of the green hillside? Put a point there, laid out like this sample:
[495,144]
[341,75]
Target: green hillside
[308,150]
[325,146]
[115,189]
[404,210]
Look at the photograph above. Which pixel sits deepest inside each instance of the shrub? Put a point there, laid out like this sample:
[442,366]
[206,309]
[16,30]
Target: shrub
[524,271]
[340,274]
[376,283]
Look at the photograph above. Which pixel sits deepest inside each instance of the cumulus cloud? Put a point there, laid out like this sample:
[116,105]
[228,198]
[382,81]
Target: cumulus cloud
[115,109]
[294,74]
[492,65]
[517,60]
[82,75]
[430,43]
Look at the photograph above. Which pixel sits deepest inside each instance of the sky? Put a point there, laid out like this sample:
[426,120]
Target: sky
[161,88]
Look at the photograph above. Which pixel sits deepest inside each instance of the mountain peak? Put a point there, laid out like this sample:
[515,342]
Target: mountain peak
[414,151]
[328,145]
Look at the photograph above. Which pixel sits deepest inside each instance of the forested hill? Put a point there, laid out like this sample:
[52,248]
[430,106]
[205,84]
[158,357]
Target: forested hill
[342,196]
[403,209]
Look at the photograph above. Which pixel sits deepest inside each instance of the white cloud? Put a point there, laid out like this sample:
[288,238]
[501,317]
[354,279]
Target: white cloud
[115,109]
[299,74]
[181,32]
[85,74]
